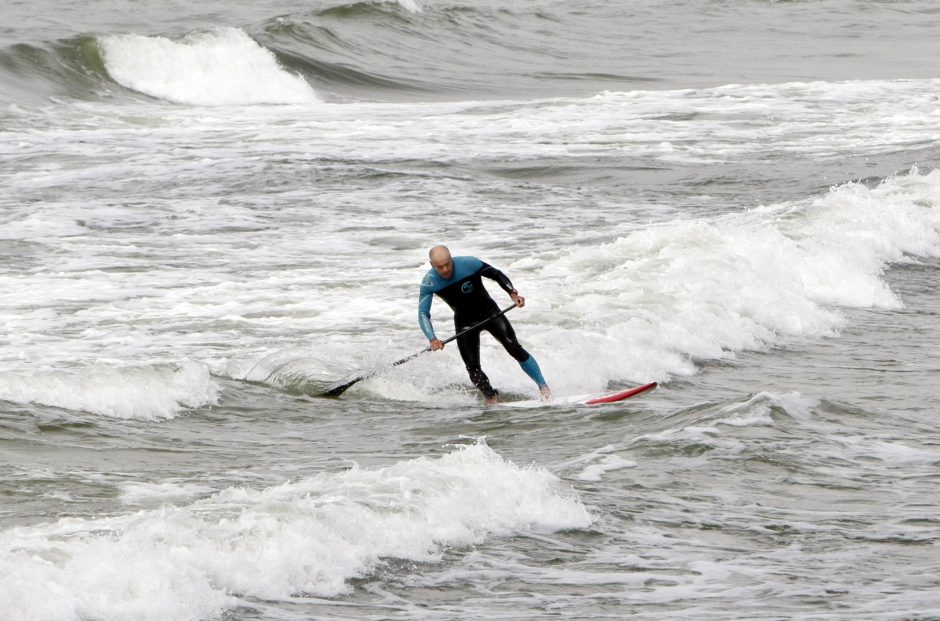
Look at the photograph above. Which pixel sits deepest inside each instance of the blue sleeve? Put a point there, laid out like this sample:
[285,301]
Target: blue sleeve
[424,313]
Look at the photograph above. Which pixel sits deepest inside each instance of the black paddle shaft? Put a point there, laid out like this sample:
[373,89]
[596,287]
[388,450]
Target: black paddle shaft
[338,390]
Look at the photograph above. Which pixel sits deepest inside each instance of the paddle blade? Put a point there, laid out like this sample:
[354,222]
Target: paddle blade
[338,390]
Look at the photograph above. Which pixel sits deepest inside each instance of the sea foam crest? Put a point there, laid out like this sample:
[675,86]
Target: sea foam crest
[411,6]
[308,537]
[221,67]
[145,392]
[650,302]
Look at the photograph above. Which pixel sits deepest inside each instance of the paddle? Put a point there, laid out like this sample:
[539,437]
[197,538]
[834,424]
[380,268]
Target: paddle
[338,390]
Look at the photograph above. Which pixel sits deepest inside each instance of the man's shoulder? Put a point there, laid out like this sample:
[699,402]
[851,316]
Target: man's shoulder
[430,279]
[465,266]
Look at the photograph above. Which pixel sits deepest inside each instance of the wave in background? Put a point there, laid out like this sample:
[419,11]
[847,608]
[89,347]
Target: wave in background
[705,289]
[224,67]
[145,392]
[360,50]
[407,50]
[385,50]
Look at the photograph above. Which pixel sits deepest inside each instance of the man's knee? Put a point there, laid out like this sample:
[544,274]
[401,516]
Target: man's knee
[517,351]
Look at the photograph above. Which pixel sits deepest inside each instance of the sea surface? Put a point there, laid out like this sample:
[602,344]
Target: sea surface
[211,212]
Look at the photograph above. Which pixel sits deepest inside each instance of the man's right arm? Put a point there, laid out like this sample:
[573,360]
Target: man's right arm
[424,320]
[424,314]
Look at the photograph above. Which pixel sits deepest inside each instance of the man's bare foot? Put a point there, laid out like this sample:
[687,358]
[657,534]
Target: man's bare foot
[546,392]
[490,401]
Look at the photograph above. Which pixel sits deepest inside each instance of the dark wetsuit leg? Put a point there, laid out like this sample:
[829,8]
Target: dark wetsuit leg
[469,346]
[502,331]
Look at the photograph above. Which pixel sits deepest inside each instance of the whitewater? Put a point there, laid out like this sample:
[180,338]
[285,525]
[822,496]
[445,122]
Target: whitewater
[212,214]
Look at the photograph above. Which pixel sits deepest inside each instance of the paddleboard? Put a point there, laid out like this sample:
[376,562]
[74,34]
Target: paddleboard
[591,399]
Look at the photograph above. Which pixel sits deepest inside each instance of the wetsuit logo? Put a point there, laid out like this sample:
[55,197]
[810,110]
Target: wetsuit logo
[467,287]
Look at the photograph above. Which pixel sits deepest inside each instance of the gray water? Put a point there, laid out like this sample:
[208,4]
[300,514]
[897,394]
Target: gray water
[212,213]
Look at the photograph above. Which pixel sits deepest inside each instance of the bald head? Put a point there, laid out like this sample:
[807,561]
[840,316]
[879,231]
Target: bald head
[441,261]
[438,252]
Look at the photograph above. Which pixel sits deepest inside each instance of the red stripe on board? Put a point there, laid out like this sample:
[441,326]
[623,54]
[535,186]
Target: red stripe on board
[620,396]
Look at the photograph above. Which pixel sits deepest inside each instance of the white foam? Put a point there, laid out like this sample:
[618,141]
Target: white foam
[410,5]
[757,410]
[649,302]
[595,472]
[891,452]
[34,226]
[308,537]
[156,493]
[693,436]
[145,392]
[222,67]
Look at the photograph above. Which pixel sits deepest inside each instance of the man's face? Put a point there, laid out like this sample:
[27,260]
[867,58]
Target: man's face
[443,266]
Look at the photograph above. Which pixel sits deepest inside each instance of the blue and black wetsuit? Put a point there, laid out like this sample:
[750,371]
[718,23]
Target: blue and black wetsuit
[471,303]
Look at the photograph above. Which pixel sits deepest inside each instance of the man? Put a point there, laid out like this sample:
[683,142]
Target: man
[458,281]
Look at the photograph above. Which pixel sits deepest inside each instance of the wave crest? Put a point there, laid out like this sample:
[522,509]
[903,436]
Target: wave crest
[312,536]
[222,67]
[148,392]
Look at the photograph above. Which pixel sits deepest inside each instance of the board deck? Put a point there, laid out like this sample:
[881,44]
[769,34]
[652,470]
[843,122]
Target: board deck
[589,400]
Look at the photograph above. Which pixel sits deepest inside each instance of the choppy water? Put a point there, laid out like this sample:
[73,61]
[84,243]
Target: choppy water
[211,213]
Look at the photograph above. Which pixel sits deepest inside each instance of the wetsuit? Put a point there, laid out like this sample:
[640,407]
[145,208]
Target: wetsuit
[471,303]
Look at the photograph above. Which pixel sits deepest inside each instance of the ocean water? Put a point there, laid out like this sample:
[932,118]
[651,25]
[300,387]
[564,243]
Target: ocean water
[212,212]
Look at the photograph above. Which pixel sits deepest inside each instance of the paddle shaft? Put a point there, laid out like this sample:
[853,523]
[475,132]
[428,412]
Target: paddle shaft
[338,390]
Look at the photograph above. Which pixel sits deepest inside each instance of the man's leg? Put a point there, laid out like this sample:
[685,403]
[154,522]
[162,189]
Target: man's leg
[469,347]
[503,332]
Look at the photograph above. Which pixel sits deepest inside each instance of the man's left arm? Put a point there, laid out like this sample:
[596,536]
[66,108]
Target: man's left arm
[494,274]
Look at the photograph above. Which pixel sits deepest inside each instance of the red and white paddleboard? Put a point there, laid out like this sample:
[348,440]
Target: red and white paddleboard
[593,399]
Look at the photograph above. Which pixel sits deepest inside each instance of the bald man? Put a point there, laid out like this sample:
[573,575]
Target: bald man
[458,281]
